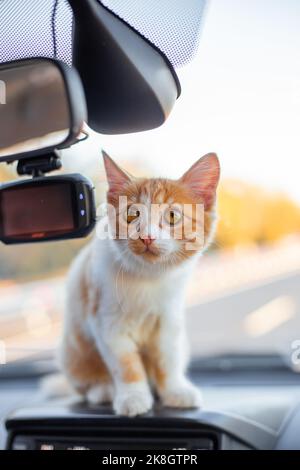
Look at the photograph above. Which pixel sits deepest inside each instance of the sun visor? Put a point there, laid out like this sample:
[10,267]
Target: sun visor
[126,52]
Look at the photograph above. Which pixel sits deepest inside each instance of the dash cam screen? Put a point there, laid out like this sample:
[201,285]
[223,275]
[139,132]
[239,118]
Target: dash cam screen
[37,211]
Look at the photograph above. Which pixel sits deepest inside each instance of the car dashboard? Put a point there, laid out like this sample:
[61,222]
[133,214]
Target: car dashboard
[242,411]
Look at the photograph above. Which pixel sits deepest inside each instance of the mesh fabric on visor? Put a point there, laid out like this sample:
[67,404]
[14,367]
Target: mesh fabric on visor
[30,28]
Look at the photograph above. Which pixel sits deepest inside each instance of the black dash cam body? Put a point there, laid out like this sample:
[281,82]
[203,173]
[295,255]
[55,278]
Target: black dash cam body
[46,208]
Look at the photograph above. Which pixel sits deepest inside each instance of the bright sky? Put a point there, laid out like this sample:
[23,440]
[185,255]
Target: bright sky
[240,98]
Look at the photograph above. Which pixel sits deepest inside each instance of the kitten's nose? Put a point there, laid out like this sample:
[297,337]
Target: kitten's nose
[147,240]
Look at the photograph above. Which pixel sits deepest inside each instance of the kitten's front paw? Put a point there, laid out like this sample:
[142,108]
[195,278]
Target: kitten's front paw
[182,396]
[100,393]
[133,404]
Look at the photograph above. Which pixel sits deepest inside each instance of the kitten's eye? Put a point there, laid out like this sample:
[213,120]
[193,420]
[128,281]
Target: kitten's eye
[132,214]
[172,217]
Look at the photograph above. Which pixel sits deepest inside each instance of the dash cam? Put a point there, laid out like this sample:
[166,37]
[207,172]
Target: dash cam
[45,113]
[46,208]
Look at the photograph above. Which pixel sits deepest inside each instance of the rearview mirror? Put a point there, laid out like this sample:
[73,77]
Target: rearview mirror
[42,107]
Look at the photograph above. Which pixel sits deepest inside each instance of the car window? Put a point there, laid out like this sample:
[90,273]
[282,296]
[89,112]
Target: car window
[241,99]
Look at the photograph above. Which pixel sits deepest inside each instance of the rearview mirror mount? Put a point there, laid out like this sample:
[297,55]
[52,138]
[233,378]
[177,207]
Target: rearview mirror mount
[130,85]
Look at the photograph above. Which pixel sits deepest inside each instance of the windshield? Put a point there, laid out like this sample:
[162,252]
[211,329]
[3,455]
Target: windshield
[241,99]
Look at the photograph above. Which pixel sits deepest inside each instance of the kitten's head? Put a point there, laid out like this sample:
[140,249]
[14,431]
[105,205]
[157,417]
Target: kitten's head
[163,222]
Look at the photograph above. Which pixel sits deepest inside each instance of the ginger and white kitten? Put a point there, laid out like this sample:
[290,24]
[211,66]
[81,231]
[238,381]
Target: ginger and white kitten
[124,330]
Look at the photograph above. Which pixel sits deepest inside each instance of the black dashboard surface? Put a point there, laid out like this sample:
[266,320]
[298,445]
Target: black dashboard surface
[259,410]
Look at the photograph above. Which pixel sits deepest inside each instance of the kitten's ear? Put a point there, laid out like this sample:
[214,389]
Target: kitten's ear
[203,177]
[116,177]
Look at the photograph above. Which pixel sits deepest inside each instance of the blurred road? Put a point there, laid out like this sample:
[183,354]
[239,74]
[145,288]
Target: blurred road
[262,318]
[247,302]
[30,316]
